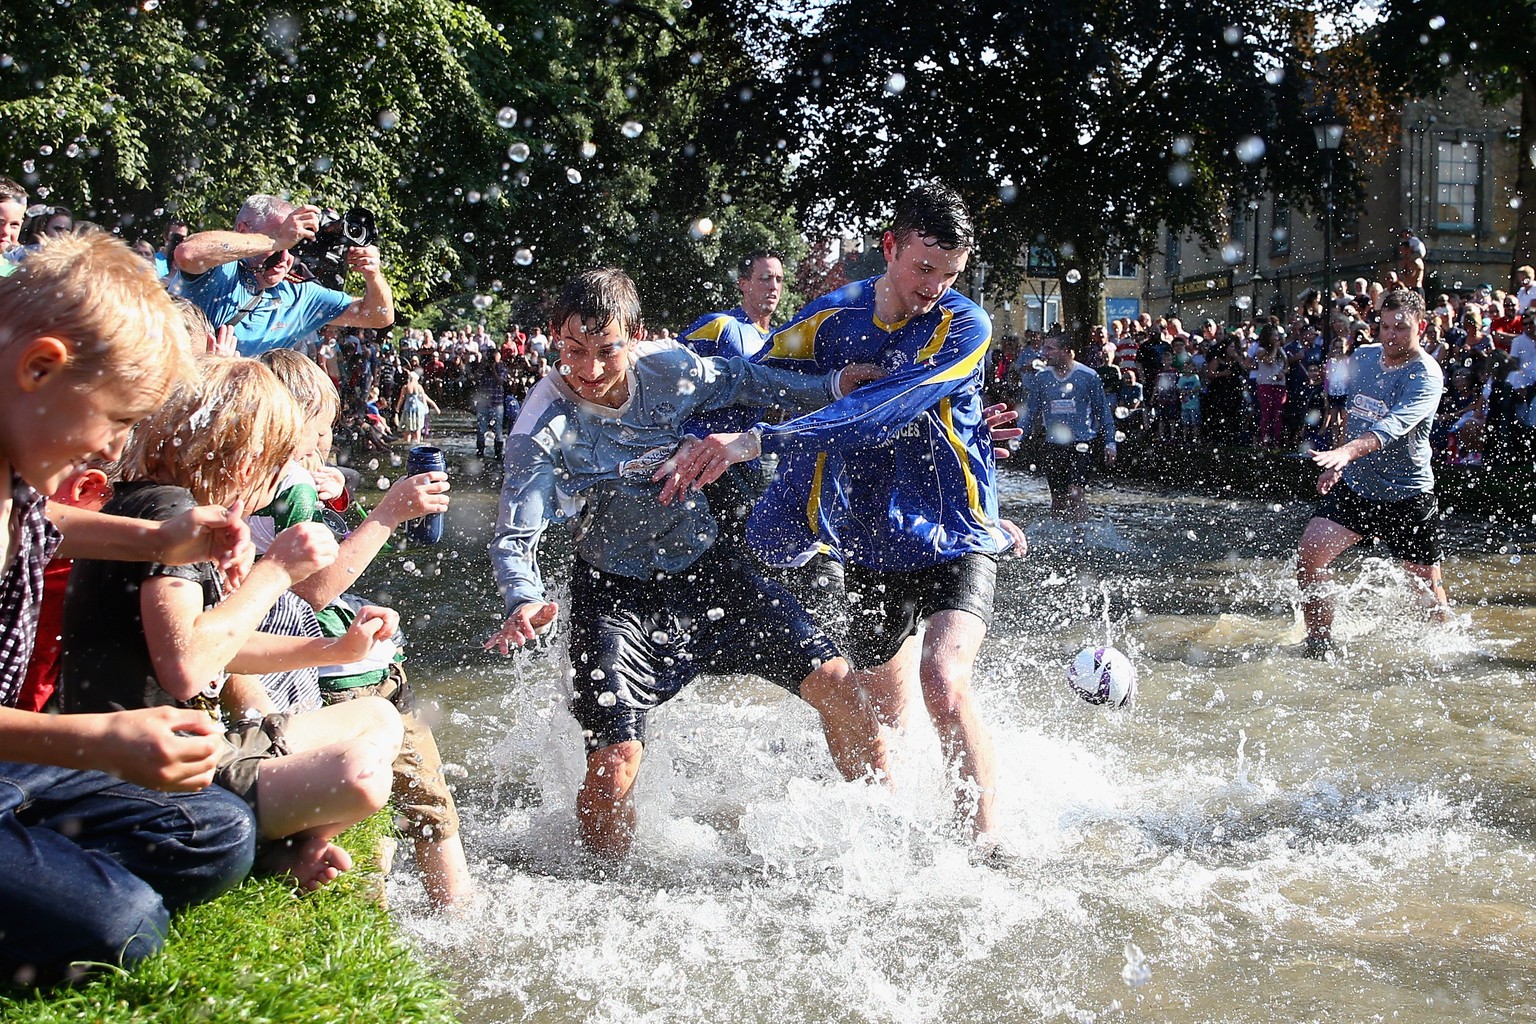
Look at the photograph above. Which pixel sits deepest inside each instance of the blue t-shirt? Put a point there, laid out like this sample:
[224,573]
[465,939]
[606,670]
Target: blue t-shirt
[279,317]
[1397,405]
[1073,409]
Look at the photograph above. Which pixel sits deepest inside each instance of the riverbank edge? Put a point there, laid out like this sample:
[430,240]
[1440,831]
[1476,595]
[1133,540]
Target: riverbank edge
[265,952]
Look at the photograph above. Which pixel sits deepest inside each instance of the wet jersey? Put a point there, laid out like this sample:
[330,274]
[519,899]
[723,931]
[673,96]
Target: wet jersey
[568,458]
[1073,409]
[725,335]
[1397,405]
[898,475]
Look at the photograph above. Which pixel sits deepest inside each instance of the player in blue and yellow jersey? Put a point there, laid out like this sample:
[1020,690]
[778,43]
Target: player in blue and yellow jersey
[898,478]
[738,333]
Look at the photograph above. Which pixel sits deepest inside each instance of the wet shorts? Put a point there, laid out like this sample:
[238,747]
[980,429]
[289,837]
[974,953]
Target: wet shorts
[1065,466]
[246,746]
[636,643]
[424,808]
[1410,528]
[887,607]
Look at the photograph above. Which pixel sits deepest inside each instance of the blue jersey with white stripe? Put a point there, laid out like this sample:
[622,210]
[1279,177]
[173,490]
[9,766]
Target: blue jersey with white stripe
[898,475]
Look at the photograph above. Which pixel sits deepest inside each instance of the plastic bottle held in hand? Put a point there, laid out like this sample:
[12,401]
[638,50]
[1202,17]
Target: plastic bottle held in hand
[427,529]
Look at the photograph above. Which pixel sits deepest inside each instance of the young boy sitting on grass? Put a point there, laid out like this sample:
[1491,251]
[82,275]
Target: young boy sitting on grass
[653,603]
[107,821]
[424,804]
[144,634]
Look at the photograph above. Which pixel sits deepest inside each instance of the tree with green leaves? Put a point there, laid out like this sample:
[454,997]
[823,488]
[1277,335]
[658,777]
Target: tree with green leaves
[1080,126]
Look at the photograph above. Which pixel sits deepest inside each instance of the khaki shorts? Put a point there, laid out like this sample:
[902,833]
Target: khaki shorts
[423,805]
[246,746]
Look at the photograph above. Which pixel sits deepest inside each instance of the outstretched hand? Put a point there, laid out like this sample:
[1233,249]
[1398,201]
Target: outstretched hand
[999,419]
[525,624]
[208,533]
[700,462]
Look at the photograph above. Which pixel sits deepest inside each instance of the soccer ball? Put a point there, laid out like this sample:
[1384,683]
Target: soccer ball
[1102,675]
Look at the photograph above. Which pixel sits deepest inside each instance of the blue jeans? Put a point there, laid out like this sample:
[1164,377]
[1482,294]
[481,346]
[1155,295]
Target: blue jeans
[488,417]
[91,867]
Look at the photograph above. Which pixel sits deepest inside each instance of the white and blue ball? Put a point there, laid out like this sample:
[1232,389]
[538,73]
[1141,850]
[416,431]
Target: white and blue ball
[1102,675]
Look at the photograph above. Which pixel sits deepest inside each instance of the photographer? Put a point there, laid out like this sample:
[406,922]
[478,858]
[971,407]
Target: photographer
[241,279]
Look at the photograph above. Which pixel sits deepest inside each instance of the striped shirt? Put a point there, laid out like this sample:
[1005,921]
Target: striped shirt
[21,587]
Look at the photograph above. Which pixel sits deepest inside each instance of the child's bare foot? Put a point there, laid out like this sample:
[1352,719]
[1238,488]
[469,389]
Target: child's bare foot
[312,862]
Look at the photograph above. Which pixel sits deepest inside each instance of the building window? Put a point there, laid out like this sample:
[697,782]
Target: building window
[1280,231]
[1458,177]
[1171,267]
[1121,263]
[1040,315]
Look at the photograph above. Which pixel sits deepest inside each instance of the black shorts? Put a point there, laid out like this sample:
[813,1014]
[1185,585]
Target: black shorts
[636,643]
[887,607]
[1410,528]
[1065,466]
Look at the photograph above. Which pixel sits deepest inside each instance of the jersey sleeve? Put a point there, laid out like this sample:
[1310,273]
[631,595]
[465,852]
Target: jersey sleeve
[872,414]
[720,335]
[528,503]
[739,381]
[1419,400]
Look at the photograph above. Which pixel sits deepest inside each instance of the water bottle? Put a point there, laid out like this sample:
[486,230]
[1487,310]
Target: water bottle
[427,529]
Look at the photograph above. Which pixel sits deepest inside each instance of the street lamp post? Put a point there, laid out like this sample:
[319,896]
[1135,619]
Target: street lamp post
[1329,133]
[1254,278]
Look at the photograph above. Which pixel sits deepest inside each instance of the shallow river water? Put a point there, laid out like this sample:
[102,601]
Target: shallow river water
[1260,838]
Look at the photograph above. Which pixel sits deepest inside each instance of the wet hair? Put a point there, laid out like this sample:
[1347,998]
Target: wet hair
[10,192]
[235,411]
[934,211]
[746,263]
[599,298]
[102,300]
[1405,299]
[309,385]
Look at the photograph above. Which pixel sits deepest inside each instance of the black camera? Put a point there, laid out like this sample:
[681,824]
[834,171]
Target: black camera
[325,255]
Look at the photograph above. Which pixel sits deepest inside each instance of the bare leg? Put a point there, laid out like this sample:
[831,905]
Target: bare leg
[444,871]
[605,807]
[338,774]
[887,685]
[1428,577]
[853,735]
[1321,542]
[950,645]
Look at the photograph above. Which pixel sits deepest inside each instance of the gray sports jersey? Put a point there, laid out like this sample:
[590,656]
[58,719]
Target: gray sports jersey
[1074,411]
[569,458]
[1398,406]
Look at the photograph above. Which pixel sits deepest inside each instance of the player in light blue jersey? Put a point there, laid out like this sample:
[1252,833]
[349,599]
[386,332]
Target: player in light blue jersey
[1379,484]
[654,600]
[1068,400]
[898,479]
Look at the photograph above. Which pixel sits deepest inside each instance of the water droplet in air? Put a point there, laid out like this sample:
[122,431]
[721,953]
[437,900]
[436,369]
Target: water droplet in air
[1437,22]
[383,483]
[588,150]
[483,301]
[523,257]
[631,129]
[1274,76]
[1232,35]
[715,614]
[45,150]
[1243,302]
[1180,174]
[1249,149]
[660,637]
[506,117]
[573,176]
[1232,253]
[607,698]
[701,228]
[1074,275]
[518,152]
[896,83]
[1182,145]
[388,119]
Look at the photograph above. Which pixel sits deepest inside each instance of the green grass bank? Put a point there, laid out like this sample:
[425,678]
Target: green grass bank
[265,954]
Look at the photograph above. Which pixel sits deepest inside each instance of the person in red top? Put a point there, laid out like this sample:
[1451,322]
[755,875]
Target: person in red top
[88,489]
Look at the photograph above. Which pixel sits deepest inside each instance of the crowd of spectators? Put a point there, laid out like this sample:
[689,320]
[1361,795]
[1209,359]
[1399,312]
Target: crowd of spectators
[1282,381]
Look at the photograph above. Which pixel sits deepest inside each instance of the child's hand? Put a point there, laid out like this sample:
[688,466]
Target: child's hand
[371,625]
[330,484]
[206,533]
[412,497]
[523,625]
[173,749]
[303,550]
